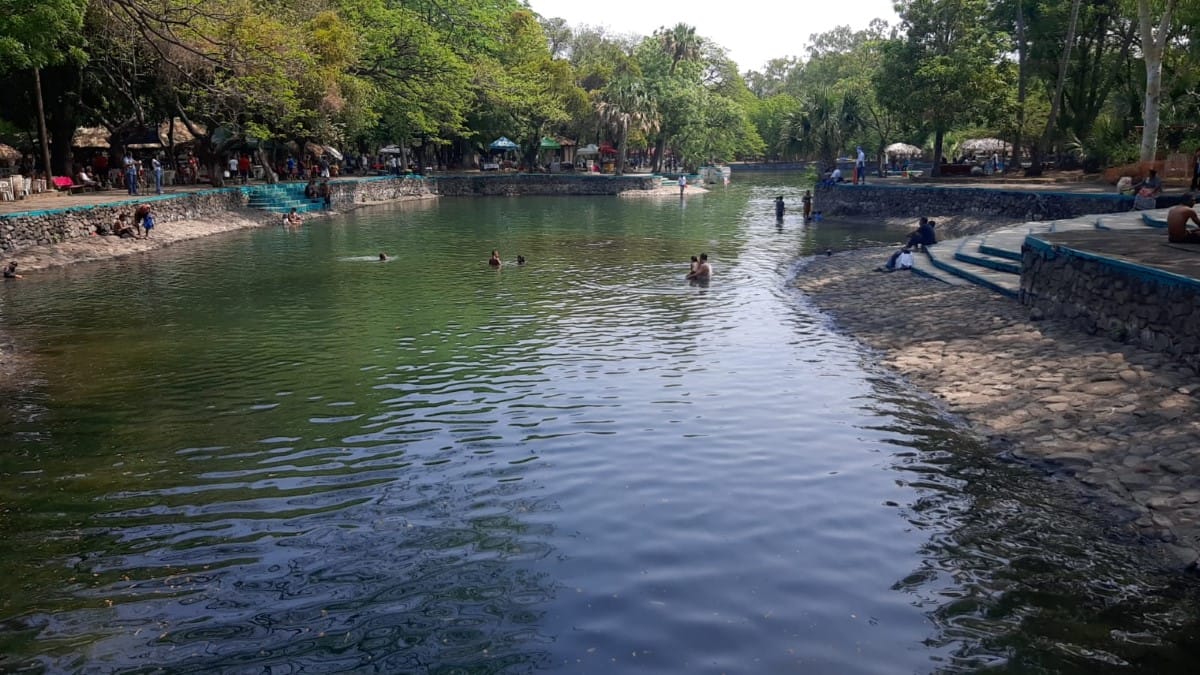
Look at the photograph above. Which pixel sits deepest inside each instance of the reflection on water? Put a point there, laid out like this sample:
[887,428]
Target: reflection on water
[269,452]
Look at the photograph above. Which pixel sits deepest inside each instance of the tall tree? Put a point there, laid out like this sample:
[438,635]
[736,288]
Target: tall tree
[34,35]
[943,71]
[679,44]
[1035,166]
[1154,42]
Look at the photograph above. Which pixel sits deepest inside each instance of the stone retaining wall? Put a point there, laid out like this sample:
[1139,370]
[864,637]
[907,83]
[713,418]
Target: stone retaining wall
[378,189]
[52,226]
[919,200]
[1132,303]
[513,184]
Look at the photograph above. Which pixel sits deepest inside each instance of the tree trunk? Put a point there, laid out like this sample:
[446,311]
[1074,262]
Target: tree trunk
[938,137]
[1153,46]
[41,112]
[1039,152]
[269,174]
[1014,163]
[621,145]
[660,148]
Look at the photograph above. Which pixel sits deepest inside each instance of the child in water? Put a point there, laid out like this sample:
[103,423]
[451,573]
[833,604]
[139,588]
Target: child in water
[494,261]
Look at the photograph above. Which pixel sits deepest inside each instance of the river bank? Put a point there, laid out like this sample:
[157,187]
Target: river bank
[1119,422]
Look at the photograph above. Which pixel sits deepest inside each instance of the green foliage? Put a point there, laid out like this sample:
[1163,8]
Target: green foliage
[40,34]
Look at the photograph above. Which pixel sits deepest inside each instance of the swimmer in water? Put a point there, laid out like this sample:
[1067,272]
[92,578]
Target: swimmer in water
[494,261]
[520,260]
[383,257]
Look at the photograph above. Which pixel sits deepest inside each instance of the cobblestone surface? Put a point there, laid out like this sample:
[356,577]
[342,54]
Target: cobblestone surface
[1120,420]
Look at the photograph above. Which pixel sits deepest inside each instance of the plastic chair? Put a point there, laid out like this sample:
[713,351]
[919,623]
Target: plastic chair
[6,191]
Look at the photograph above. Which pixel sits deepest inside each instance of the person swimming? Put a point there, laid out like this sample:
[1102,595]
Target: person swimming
[520,260]
[494,261]
[383,257]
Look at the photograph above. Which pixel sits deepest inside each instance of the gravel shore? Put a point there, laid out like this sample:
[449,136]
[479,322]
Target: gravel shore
[1120,421]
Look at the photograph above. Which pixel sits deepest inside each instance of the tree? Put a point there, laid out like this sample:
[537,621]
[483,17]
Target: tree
[1154,41]
[34,36]
[943,71]
[679,44]
[824,126]
[627,105]
[1035,167]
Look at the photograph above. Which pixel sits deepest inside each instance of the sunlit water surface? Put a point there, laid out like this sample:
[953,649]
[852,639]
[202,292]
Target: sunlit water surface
[268,452]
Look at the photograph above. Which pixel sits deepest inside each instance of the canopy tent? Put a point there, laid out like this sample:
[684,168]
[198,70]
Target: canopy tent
[548,143]
[390,150]
[589,149]
[503,143]
[984,145]
[903,150]
[607,149]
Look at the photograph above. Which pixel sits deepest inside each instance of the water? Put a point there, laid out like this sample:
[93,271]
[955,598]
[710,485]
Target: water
[269,452]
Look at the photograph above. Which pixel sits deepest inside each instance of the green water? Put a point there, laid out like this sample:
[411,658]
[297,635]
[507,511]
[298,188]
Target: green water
[270,452]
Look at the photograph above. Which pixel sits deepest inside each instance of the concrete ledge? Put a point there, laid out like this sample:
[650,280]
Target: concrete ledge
[1135,287]
[907,200]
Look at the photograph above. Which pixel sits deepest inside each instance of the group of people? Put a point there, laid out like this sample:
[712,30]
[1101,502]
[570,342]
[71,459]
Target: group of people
[496,262]
[138,227]
[919,239]
[314,190]
[701,271]
[806,200]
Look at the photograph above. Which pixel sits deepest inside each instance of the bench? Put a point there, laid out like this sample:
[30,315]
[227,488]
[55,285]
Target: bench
[65,184]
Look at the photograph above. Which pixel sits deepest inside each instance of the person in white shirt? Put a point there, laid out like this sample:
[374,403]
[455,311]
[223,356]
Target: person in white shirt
[860,167]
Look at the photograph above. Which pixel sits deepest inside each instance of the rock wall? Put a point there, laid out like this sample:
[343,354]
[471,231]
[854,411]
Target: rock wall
[52,226]
[1128,302]
[378,189]
[919,200]
[513,184]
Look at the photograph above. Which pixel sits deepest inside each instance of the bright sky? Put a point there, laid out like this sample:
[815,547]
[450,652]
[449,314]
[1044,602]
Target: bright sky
[753,31]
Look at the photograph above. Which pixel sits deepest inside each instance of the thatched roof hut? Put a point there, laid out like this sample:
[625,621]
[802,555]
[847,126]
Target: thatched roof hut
[9,154]
[90,137]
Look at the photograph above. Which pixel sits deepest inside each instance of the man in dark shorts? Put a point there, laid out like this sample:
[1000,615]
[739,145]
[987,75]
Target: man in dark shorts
[10,271]
[1177,222]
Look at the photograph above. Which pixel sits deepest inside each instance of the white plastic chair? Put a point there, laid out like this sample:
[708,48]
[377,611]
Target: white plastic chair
[6,191]
[18,186]
[28,186]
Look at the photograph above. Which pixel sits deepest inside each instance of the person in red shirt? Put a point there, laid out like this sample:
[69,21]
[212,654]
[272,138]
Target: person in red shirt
[244,168]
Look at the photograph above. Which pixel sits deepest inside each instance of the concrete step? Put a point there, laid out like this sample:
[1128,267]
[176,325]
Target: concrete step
[970,251]
[942,257]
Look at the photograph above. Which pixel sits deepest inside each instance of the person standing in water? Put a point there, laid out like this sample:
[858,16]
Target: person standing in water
[703,271]
[779,207]
[682,184]
[807,199]
[494,261]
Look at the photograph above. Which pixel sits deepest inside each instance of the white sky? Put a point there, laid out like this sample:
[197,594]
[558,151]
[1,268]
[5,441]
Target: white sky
[753,31]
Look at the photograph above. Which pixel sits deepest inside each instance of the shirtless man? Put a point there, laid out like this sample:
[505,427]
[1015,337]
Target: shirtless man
[1177,222]
[703,271]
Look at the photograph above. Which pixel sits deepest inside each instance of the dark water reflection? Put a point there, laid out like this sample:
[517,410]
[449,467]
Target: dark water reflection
[269,453]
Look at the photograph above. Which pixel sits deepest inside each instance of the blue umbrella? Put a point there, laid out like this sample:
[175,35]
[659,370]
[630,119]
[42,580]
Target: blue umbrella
[503,143]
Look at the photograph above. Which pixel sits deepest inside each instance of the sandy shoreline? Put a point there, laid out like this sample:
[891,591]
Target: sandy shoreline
[1119,421]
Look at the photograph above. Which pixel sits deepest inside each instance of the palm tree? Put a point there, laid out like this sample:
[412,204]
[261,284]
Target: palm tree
[822,127]
[626,104]
[679,43]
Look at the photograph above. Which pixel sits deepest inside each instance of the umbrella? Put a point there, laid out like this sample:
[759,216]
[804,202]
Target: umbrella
[503,143]
[390,150]
[903,150]
[549,144]
[607,149]
[589,149]
[333,152]
[985,145]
